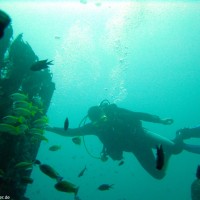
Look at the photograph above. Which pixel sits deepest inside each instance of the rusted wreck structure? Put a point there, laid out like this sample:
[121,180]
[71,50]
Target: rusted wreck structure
[16,57]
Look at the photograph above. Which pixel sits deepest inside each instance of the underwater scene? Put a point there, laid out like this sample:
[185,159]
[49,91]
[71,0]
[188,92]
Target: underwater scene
[99,99]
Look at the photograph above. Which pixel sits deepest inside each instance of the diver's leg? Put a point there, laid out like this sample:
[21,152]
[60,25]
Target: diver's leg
[146,158]
[174,146]
[170,146]
[154,139]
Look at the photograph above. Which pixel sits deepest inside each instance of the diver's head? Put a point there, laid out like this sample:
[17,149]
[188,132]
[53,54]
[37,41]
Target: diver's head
[95,113]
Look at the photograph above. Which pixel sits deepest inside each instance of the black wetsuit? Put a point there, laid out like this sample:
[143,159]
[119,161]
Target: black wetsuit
[122,131]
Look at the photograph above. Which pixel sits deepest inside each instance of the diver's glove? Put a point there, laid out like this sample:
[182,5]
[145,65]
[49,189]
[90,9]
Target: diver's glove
[167,121]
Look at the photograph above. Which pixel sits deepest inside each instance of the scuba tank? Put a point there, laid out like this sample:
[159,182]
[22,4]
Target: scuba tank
[103,155]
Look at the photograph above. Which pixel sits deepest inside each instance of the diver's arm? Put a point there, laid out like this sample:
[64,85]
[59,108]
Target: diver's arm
[153,118]
[84,130]
[145,117]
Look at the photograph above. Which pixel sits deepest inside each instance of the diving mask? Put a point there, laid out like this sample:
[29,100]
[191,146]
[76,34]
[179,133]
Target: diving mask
[102,119]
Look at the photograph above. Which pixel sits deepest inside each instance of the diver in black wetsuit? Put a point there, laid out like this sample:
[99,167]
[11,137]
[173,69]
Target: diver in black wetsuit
[121,130]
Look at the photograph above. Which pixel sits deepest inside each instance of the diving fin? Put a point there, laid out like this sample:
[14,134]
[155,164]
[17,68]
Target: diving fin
[192,148]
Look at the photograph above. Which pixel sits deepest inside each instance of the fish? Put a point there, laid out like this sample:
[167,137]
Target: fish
[5,20]
[49,171]
[54,147]
[13,119]
[121,163]
[38,136]
[18,97]
[23,112]
[198,172]
[27,164]
[65,186]
[41,122]
[104,187]
[8,128]
[66,124]
[22,104]
[42,64]
[76,140]
[160,157]
[35,109]
[22,128]
[24,165]
[13,130]
[43,119]
[82,172]
[26,180]
[36,131]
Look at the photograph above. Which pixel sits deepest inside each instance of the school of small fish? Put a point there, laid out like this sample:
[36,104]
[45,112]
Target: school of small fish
[26,118]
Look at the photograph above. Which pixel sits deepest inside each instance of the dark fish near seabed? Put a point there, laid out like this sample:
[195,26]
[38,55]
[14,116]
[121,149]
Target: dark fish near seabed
[160,159]
[66,124]
[198,172]
[54,147]
[65,186]
[121,163]
[4,22]
[76,140]
[105,187]
[82,172]
[49,171]
[42,64]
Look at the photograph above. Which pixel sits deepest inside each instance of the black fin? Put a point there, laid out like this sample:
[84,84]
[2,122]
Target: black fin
[66,124]
[160,159]
[198,172]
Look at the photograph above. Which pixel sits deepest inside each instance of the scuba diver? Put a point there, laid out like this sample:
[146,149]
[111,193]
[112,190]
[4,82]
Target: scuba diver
[120,130]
